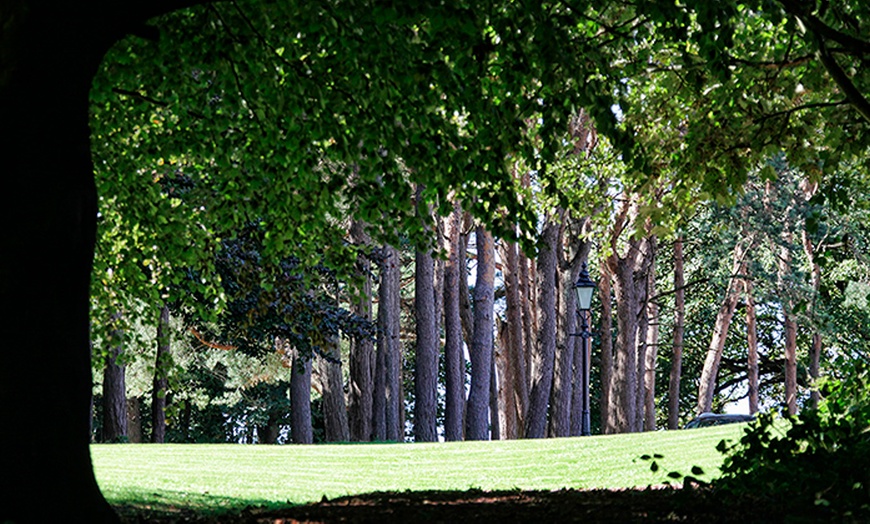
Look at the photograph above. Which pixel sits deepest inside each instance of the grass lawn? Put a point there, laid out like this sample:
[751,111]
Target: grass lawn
[232,476]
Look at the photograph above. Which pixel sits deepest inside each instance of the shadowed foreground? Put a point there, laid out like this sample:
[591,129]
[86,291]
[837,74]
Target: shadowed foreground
[648,505]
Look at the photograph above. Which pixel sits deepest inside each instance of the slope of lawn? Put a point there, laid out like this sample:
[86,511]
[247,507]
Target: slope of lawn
[233,476]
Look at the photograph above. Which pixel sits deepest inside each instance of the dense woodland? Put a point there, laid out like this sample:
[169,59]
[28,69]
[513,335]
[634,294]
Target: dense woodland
[432,323]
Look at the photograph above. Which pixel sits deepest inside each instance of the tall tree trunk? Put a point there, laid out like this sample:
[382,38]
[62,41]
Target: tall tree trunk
[362,355]
[426,362]
[301,431]
[516,387]
[572,251]
[623,385]
[47,257]
[720,332]
[454,360]
[528,306]
[642,297]
[605,286]
[115,392]
[679,330]
[752,343]
[507,405]
[478,419]
[543,356]
[816,347]
[790,327]
[334,407]
[389,342]
[379,392]
[652,345]
[161,378]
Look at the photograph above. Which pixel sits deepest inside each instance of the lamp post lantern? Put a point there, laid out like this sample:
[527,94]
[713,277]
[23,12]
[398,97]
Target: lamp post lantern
[584,288]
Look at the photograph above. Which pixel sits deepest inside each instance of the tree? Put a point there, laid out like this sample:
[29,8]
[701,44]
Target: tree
[362,356]
[454,360]
[481,350]
[161,380]
[544,354]
[115,390]
[426,352]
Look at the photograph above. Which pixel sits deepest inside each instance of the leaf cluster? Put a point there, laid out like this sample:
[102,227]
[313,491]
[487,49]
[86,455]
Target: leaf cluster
[819,465]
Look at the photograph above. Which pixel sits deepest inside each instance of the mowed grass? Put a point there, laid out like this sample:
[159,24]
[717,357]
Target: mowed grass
[232,476]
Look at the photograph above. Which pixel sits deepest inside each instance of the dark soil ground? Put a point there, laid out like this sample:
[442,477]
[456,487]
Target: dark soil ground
[540,507]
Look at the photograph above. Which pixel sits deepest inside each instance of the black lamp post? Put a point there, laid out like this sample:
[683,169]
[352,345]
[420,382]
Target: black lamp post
[584,288]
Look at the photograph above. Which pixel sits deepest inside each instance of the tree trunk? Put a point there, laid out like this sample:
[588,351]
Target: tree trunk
[334,407]
[528,305]
[679,329]
[494,421]
[606,337]
[478,419]
[301,431]
[623,386]
[454,360]
[543,356]
[816,347]
[161,379]
[752,343]
[516,387]
[46,266]
[362,356]
[652,344]
[426,363]
[134,420]
[642,298]
[720,332]
[790,327]
[268,433]
[115,393]
[389,343]
[570,255]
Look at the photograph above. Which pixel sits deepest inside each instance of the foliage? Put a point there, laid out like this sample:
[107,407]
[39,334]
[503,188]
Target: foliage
[819,462]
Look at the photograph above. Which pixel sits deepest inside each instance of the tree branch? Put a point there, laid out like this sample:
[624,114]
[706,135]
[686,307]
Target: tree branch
[843,81]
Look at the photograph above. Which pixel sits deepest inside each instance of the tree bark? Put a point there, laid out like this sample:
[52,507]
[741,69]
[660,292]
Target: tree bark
[362,356]
[790,327]
[543,356]
[606,366]
[426,362]
[679,330]
[720,332]
[134,420]
[516,386]
[334,407]
[623,386]
[115,392]
[572,251]
[816,281]
[752,343]
[642,298]
[301,431]
[161,379]
[652,344]
[389,343]
[454,360]
[478,419]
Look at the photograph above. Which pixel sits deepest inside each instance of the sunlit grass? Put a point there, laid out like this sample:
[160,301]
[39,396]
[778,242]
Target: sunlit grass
[232,476]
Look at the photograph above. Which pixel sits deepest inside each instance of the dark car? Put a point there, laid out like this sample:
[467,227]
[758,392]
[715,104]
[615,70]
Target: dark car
[717,419]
